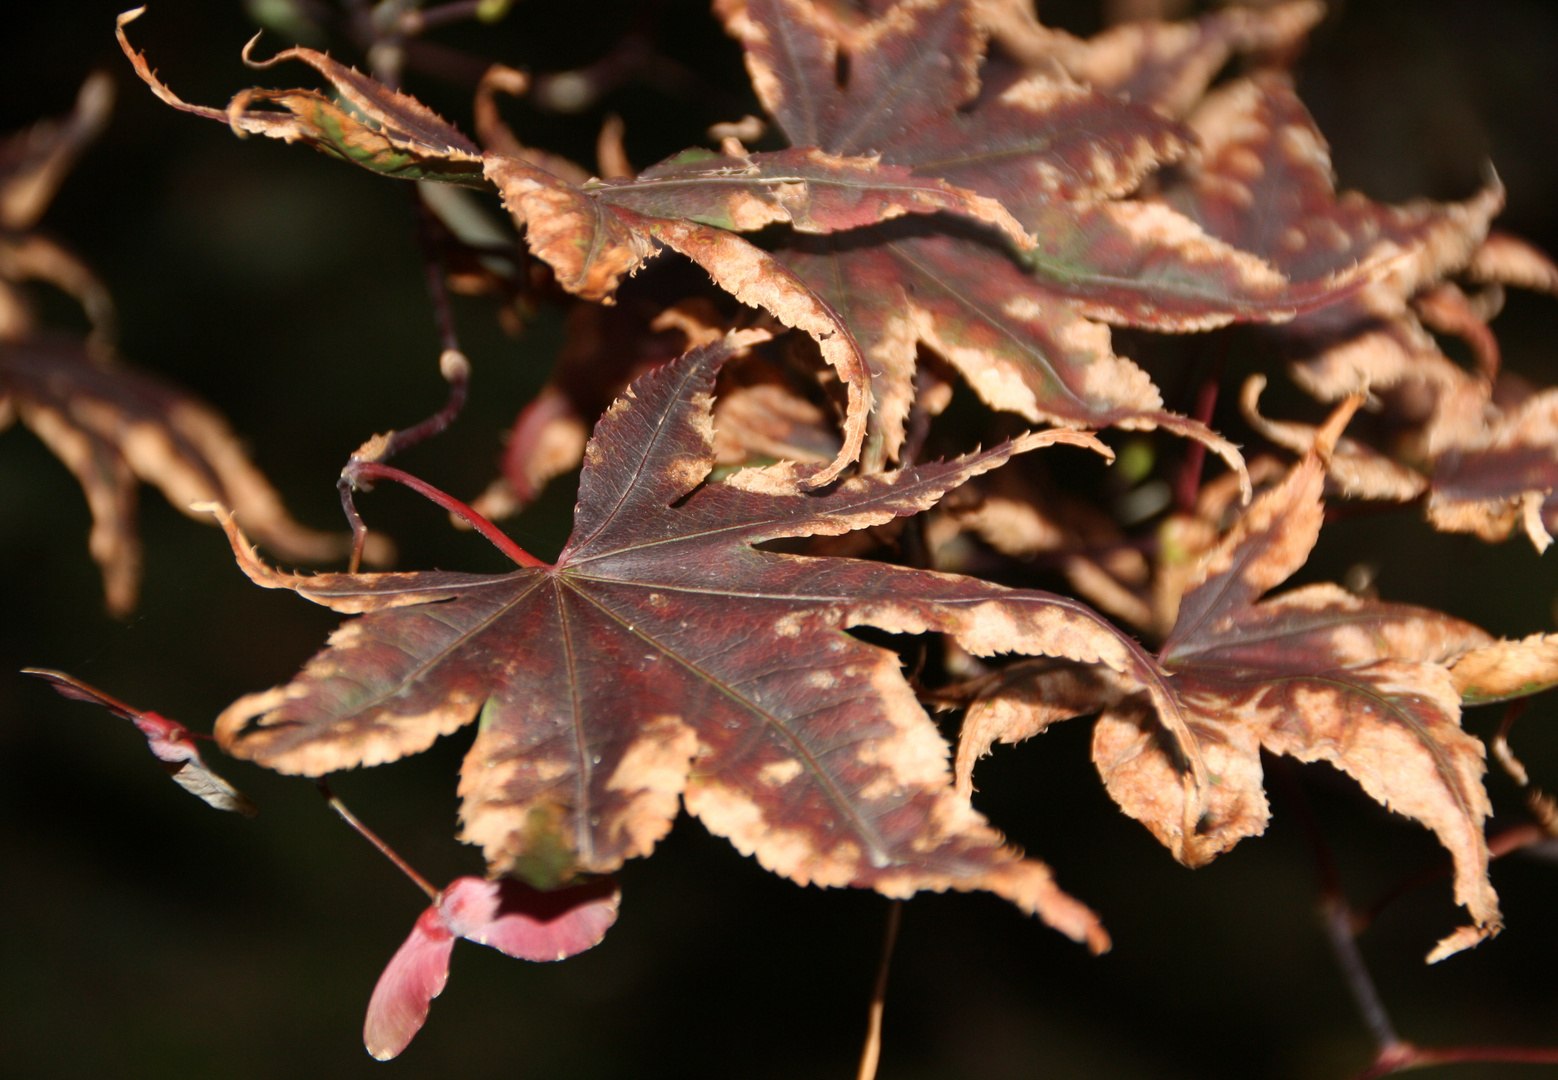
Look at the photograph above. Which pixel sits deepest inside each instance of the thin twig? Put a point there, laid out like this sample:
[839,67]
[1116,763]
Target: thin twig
[456,370]
[1365,995]
[433,240]
[1337,919]
[359,529]
[418,21]
[373,838]
[1187,485]
[1408,1056]
[873,1048]
[1515,838]
[452,364]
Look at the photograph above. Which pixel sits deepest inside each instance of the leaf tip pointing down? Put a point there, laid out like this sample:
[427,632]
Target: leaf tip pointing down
[1462,939]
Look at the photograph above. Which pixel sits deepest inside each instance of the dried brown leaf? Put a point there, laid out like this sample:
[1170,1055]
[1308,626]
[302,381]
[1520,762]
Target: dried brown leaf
[114,426]
[1507,669]
[1265,183]
[381,129]
[1493,473]
[1503,259]
[1357,470]
[1059,155]
[34,162]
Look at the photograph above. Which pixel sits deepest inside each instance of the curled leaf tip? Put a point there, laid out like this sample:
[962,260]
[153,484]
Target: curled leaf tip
[248,48]
[246,55]
[742,340]
[1462,939]
[1331,430]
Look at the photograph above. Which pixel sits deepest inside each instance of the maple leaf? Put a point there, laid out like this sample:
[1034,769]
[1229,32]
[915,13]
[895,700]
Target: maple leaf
[594,234]
[107,422]
[168,740]
[113,425]
[1315,673]
[1357,470]
[665,659]
[380,129]
[1494,467]
[506,915]
[604,349]
[1024,332]
[1021,520]
[1265,183]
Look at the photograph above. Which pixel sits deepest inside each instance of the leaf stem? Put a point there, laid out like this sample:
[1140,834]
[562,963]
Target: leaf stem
[373,838]
[457,370]
[872,1053]
[358,471]
[1340,932]
[1406,1056]
[452,365]
[1187,485]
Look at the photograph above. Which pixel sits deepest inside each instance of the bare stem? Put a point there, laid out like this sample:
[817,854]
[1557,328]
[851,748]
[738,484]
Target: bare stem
[452,364]
[1340,932]
[420,21]
[1187,485]
[354,519]
[872,1053]
[1408,1056]
[373,838]
[1365,995]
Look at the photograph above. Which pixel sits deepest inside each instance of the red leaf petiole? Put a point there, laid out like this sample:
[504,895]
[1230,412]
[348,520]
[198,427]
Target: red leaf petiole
[357,471]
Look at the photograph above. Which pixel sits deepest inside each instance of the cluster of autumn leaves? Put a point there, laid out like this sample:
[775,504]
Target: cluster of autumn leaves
[967,195]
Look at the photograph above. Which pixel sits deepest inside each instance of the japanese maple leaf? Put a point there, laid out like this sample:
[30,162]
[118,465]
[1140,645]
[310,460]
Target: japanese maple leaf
[1264,183]
[665,660]
[1492,466]
[110,424]
[594,234]
[33,164]
[1167,65]
[113,426]
[1507,669]
[1315,673]
[1025,331]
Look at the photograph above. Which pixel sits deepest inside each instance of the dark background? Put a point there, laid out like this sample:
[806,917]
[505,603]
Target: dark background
[145,936]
